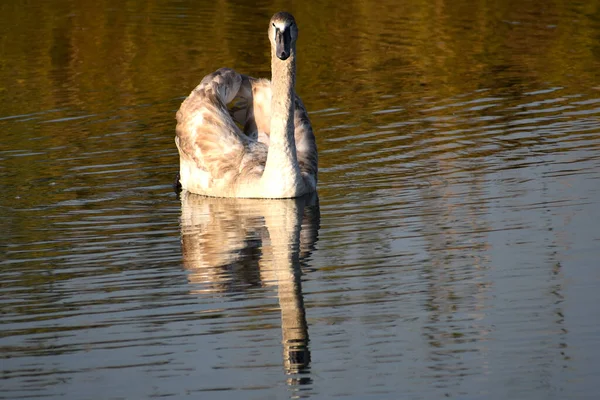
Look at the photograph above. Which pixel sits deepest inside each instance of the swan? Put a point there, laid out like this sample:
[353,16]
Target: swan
[275,156]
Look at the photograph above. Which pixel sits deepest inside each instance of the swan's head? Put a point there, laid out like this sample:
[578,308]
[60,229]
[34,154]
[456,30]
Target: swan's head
[283,33]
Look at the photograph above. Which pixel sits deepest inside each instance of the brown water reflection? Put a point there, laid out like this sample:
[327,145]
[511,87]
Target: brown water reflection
[458,205]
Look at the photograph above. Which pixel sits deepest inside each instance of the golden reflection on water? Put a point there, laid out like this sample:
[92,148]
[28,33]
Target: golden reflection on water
[225,241]
[94,59]
[156,49]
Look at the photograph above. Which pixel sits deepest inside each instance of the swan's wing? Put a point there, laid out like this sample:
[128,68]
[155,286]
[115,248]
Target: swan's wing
[241,110]
[252,107]
[207,136]
[306,145]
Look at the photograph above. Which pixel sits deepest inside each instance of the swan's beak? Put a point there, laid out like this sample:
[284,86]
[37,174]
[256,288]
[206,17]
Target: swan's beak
[283,43]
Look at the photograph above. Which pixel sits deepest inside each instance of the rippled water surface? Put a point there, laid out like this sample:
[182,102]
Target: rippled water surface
[452,250]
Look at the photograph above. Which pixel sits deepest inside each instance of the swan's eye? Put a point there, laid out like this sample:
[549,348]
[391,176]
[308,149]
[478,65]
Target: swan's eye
[273,25]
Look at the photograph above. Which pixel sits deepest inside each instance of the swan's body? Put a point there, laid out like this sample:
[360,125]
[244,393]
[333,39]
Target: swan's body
[275,156]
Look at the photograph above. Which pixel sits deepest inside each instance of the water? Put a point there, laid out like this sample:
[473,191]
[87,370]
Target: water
[451,252]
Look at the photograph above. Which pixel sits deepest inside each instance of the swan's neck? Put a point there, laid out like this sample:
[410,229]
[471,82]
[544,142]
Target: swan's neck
[282,173]
[283,77]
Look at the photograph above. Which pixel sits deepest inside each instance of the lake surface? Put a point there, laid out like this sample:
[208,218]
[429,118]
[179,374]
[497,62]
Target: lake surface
[452,250]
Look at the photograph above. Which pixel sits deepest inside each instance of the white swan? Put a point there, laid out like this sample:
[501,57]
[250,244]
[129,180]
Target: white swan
[275,156]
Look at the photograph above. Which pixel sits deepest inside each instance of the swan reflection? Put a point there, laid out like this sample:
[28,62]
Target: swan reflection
[231,244]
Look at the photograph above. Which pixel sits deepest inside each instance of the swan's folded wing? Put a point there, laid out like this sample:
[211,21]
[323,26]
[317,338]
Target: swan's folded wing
[306,145]
[206,133]
[254,101]
[209,139]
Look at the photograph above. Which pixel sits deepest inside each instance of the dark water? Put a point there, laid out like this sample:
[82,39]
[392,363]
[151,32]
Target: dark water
[452,250]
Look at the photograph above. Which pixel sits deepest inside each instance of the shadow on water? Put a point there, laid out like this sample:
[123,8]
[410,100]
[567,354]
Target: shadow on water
[230,245]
